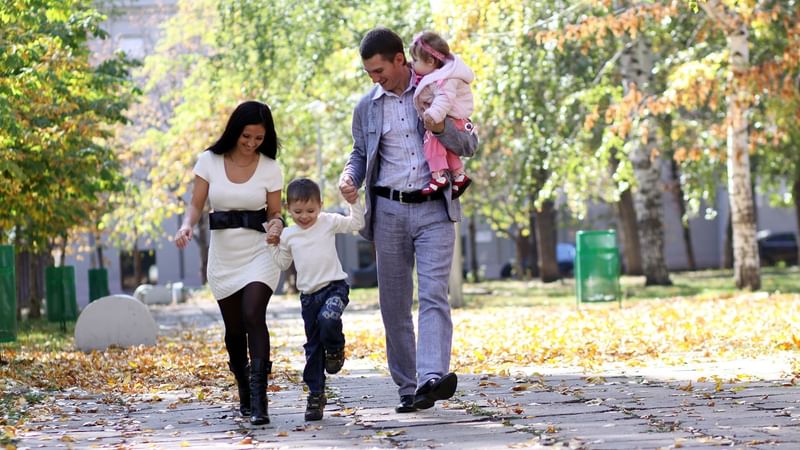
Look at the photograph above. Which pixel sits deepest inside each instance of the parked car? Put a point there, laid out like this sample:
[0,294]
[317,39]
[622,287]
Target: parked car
[775,247]
[565,257]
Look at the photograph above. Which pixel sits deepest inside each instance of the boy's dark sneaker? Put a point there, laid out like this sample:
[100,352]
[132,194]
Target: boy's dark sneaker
[314,406]
[334,360]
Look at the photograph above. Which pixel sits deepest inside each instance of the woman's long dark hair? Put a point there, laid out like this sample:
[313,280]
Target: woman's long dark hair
[248,113]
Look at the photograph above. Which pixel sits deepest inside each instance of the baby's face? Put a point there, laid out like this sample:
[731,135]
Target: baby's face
[423,67]
[305,212]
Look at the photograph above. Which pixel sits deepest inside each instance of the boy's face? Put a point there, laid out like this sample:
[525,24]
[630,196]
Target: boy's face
[305,212]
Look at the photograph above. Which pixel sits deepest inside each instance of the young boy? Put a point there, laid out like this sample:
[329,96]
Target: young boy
[311,243]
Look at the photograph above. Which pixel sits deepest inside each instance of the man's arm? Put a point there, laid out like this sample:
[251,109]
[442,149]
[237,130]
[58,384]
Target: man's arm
[356,167]
[461,143]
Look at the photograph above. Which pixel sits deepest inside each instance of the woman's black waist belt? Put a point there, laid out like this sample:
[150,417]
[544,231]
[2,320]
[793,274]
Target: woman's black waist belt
[406,197]
[219,220]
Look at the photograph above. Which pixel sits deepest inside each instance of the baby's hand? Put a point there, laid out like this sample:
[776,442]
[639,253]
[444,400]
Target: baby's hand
[430,124]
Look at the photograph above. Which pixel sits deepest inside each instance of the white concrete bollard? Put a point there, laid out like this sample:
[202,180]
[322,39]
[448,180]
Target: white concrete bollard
[141,291]
[118,320]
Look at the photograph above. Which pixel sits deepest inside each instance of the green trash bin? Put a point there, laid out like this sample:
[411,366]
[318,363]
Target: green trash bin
[98,284]
[8,295]
[60,285]
[597,266]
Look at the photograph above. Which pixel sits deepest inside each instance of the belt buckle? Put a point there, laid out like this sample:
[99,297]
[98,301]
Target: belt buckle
[400,197]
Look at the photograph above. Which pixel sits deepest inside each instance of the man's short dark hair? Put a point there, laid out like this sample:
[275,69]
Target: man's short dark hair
[381,41]
[302,190]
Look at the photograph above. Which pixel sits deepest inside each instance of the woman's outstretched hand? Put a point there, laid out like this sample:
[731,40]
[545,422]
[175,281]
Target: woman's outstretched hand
[182,237]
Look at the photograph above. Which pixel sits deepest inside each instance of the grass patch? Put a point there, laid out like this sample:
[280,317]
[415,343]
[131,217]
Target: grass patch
[43,335]
[527,293]
[704,283]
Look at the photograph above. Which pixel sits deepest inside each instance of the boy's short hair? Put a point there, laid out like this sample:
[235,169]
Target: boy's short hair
[302,190]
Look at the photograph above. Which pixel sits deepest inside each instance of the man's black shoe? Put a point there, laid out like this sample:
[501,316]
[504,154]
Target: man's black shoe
[406,404]
[435,389]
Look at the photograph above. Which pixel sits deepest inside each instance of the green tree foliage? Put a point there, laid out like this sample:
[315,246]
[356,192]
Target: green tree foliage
[55,113]
[527,111]
[301,58]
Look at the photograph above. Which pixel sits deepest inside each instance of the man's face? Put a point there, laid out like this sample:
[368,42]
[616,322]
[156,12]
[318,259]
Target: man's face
[392,75]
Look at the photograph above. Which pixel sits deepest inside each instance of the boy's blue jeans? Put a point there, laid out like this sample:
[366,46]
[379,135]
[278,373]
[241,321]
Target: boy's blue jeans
[322,318]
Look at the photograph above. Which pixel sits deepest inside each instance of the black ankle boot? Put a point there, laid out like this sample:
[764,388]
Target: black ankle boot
[241,371]
[259,371]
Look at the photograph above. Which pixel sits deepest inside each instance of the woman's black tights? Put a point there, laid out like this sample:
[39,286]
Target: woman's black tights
[244,314]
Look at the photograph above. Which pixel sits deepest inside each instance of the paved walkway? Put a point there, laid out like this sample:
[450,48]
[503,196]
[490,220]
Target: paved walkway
[555,410]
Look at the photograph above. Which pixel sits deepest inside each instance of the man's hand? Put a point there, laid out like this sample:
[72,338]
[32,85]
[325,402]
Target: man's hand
[431,125]
[348,189]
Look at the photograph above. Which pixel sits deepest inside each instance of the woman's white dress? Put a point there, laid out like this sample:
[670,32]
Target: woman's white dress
[238,256]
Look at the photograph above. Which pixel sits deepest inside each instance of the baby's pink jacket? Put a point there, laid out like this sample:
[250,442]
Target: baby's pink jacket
[452,97]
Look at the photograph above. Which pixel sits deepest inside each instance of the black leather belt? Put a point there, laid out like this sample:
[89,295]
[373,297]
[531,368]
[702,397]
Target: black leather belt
[406,197]
[238,219]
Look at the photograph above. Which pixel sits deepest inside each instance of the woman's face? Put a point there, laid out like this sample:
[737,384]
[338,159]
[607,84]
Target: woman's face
[251,138]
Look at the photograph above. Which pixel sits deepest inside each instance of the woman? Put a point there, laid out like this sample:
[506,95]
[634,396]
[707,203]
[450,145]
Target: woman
[242,181]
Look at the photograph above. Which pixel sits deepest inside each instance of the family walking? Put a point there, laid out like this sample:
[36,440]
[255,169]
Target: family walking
[409,130]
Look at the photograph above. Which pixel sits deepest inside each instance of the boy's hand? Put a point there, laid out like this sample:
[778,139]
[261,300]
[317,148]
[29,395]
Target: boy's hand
[274,229]
[348,189]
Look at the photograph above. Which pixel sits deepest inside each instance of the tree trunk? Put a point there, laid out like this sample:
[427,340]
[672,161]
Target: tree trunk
[746,270]
[677,191]
[101,264]
[137,263]
[62,258]
[727,246]
[531,263]
[23,278]
[522,245]
[632,252]
[629,232]
[637,63]
[36,285]
[546,242]
[456,272]
[473,249]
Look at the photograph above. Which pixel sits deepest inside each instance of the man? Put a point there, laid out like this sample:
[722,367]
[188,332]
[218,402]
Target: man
[406,226]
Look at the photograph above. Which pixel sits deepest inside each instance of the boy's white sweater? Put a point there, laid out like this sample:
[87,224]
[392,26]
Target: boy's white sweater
[314,249]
